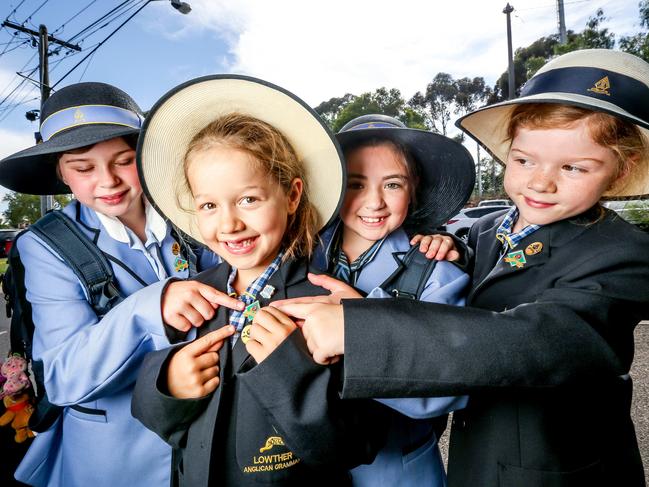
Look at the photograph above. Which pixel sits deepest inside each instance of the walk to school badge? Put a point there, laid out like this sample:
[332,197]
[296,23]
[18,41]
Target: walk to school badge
[533,248]
[601,87]
[516,259]
[180,264]
[251,310]
[175,248]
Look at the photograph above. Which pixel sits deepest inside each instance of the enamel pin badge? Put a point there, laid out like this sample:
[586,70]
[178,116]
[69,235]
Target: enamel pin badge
[533,248]
[516,259]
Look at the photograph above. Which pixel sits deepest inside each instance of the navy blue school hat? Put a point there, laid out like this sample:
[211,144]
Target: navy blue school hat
[445,168]
[601,80]
[76,116]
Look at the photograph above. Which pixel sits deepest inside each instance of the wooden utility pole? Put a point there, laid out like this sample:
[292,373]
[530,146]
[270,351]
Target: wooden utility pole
[47,201]
[507,11]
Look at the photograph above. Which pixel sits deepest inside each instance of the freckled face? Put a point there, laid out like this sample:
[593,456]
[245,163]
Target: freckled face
[554,174]
[377,196]
[104,178]
[242,213]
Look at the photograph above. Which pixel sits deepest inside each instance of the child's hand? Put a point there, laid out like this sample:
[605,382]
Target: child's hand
[438,247]
[323,327]
[193,370]
[270,327]
[191,303]
[339,290]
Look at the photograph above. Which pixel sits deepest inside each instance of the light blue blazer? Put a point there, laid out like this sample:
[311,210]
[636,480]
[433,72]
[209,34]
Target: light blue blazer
[393,466]
[92,364]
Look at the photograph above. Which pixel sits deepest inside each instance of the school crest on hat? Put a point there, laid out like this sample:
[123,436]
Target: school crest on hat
[601,80]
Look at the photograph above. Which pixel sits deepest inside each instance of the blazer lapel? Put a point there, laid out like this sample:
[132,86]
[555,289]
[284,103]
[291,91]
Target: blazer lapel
[533,250]
[288,274]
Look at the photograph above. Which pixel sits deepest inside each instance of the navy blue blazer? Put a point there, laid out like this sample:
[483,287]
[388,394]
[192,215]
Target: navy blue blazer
[280,422]
[543,350]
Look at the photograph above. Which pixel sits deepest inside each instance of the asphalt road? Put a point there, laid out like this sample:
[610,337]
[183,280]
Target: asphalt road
[639,373]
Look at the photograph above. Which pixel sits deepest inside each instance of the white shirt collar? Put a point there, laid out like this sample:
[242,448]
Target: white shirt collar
[155,225]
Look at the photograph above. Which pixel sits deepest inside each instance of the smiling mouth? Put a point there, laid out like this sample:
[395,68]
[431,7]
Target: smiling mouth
[367,219]
[537,204]
[113,198]
[241,246]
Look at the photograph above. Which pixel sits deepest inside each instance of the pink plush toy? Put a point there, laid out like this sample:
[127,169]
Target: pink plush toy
[14,371]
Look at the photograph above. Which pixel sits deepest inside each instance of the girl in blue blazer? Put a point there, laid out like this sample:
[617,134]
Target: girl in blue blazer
[399,178]
[89,131]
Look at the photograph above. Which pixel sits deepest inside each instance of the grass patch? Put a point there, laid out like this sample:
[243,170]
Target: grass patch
[3,266]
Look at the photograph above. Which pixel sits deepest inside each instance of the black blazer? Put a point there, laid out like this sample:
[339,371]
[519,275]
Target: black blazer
[281,422]
[545,360]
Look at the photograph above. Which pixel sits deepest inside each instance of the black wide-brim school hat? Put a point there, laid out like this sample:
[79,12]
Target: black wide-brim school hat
[445,168]
[601,80]
[76,116]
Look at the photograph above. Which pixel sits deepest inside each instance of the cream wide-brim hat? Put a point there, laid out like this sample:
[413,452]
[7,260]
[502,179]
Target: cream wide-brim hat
[601,80]
[185,110]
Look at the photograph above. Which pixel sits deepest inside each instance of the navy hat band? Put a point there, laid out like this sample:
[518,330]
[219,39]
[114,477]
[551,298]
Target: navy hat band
[618,89]
[88,115]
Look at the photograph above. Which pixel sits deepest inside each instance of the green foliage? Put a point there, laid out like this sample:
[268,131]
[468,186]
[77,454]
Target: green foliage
[383,101]
[638,44]
[638,213]
[24,209]
[592,37]
[329,110]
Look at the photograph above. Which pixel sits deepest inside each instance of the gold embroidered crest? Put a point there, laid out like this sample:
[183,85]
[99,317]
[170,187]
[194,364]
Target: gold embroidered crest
[601,87]
[79,117]
[271,442]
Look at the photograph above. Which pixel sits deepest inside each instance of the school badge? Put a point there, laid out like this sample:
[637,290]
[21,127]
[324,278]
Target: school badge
[601,87]
[533,248]
[180,264]
[245,334]
[251,310]
[273,455]
[516,259]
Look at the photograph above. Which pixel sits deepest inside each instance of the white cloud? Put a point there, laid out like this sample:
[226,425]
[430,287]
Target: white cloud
[325,49]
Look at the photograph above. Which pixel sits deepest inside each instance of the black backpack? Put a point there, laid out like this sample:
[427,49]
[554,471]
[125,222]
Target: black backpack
[408,282]
[95,273]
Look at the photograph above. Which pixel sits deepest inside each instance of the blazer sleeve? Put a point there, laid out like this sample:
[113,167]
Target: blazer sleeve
[85,358]
[579,330]
[303,401]
[447,284]
[165,415]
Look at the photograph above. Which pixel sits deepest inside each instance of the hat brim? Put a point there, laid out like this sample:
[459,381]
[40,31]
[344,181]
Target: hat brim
[488,126]
[180,114]
[446,172]
[33,170]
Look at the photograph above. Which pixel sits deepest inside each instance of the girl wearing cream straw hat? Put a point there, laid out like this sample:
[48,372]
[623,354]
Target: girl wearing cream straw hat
[89,358]
[545,343]
[249,170]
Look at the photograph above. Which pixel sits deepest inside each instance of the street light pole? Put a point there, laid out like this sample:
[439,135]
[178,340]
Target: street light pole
[507,11]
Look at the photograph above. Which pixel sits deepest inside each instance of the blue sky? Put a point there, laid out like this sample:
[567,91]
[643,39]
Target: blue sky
[317,50]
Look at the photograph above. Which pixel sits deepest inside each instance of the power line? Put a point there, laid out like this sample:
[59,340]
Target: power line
[60,28]
[29,17]
[144,4]
[115,17]
[100,19]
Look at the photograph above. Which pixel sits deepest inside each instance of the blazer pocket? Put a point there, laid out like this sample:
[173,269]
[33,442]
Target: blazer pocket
[88,414]
[262,454]
[512,476]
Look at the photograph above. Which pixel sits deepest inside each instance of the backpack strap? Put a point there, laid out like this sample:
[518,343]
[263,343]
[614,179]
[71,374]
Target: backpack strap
[412,274]
[86,259]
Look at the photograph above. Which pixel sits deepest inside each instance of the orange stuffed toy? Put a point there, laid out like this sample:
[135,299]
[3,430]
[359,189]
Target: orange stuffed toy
[19,409]
[16,394]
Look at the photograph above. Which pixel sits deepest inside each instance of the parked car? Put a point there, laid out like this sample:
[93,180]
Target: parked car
[461,223]
[495,202]
[633,211]
[7,236]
